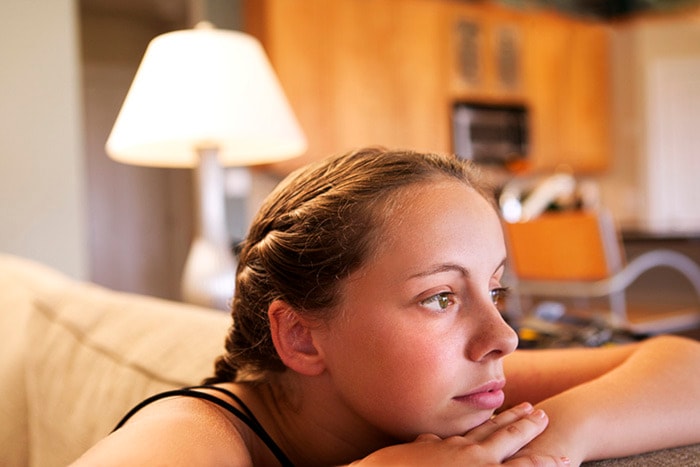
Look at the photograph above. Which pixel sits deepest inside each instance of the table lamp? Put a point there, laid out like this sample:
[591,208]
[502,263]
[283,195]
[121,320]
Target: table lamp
[206,98]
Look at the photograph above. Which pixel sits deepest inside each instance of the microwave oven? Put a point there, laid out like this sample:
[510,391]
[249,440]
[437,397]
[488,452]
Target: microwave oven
[490,134]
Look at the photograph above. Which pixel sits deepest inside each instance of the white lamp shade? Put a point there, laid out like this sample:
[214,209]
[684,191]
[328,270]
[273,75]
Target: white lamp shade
[205,88]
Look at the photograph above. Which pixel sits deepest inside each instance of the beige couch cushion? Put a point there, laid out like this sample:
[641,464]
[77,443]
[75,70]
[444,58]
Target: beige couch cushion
[20,281]
[95,353]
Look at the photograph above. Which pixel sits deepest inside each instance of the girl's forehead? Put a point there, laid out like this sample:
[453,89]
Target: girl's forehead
[433,226]
[403,212]
[425,192]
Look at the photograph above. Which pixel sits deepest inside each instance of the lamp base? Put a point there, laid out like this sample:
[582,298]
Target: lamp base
[209,276]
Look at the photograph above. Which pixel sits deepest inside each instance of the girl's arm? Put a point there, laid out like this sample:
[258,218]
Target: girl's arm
[611,402]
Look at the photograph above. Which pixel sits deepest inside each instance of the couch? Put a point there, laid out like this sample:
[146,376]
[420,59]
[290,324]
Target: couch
[74,357]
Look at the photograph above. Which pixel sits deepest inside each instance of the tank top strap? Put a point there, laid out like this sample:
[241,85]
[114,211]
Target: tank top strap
[244,414]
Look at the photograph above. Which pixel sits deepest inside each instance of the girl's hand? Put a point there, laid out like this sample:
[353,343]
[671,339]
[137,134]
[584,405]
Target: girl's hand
[491,443]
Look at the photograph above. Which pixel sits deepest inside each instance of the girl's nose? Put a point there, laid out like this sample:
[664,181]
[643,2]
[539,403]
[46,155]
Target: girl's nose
[492,337]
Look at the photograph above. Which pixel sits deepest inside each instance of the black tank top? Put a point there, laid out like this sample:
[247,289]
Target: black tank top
[244,414]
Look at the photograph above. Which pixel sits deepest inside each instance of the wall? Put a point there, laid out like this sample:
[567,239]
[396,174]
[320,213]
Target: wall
[42,211]
[645,176]
[651,186]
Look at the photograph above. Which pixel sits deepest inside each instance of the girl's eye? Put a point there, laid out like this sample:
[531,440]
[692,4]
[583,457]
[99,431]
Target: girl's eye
[439,302]
[498,296]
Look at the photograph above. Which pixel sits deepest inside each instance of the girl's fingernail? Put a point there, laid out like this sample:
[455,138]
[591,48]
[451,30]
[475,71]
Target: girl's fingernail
[539,413]
[525,406]
[566,460]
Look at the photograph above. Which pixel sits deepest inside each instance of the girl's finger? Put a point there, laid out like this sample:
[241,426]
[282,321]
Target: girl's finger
[497,422]
[510,438]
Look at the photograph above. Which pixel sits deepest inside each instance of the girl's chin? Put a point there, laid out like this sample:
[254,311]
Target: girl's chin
[480,419]
[462,428]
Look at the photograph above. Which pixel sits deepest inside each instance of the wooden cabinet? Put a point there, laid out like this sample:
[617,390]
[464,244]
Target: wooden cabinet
[568,90]
[485,47]
[358,72]
[387,72]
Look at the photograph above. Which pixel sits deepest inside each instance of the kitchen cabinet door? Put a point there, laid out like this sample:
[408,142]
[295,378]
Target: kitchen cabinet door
[357,72]
[485,49]
[568,90]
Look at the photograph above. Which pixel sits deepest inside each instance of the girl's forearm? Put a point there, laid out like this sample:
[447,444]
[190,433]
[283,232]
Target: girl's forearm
[648,402]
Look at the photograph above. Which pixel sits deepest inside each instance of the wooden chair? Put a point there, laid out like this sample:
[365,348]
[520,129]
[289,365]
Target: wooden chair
[579,255]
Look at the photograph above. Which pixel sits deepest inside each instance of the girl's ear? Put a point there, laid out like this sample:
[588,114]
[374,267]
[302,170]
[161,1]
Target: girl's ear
[293,340]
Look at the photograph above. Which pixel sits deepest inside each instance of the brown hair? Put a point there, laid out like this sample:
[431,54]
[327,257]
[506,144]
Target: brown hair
[316,228]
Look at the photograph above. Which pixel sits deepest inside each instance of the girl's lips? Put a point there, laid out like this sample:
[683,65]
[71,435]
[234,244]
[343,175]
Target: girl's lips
[490,396]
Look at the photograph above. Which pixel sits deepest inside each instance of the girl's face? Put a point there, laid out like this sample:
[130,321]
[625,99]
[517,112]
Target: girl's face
[418,342]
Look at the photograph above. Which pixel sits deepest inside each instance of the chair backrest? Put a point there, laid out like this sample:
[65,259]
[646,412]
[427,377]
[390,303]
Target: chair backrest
[565,246]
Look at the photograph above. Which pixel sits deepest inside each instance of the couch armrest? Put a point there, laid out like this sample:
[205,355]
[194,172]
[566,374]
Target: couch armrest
[684,456]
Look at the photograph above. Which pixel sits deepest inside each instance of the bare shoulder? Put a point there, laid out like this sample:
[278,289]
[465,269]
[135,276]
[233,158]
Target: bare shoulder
[175,431]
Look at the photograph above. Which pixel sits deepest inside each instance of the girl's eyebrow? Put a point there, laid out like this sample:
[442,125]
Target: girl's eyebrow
[501,265]
[447,267]
[439,268]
